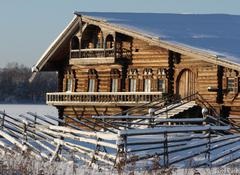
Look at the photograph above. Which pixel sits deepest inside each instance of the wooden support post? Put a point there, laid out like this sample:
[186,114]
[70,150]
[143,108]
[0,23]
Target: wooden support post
[219,98]
[170,72]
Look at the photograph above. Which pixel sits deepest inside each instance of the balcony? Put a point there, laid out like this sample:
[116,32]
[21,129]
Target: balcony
[101,98]
[92,56]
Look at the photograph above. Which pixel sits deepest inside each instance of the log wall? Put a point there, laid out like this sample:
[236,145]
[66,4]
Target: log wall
[146,56]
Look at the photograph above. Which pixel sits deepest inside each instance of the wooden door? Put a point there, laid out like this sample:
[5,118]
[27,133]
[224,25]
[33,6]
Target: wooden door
[186,83]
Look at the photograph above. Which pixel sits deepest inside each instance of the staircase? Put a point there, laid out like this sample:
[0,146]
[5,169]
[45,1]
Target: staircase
[174,109]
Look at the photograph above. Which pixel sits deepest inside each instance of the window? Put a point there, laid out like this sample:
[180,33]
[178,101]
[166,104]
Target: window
[75,43]
[161,81]
[109,42]
[99,40]
[91,85]
[92,37]
[147,75]
[232,81]
[69,85]
[115,76]
[69,82]
[161,85]
[133,85]
[92,77]
[147,85]
[133,75]
[114,87]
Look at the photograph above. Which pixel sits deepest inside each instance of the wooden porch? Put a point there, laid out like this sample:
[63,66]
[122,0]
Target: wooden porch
[101,98]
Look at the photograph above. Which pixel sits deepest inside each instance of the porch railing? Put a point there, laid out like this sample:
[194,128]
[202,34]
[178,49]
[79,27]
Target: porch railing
[101,98]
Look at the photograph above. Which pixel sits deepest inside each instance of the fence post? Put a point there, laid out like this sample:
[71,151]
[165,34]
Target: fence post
[165,147]
[209,148]
[121,155]
[151,119]
[25,130]
[2,120]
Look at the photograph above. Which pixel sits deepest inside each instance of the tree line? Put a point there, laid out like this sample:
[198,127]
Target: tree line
[16,88]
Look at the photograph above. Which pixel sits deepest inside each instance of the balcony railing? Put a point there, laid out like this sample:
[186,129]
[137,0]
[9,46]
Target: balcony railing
[75,53]
[92,53]
[101,98]
[97,53]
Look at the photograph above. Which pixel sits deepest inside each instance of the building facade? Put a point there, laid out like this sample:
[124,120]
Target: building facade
[104,69]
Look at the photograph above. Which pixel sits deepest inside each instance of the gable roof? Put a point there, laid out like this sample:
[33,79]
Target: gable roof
[212,38]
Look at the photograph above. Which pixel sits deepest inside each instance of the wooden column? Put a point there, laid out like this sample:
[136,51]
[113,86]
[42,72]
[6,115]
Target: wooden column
[60,114]
[219,98]
[170,73]
[60,81]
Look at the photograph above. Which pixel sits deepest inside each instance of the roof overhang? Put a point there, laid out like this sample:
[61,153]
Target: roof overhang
[47,60]
[58,50]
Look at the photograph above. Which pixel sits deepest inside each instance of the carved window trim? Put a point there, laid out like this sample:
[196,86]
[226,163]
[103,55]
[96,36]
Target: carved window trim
[232,81]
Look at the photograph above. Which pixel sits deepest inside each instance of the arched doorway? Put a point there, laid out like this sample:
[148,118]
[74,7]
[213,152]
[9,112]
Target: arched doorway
[92,37]
[186,83]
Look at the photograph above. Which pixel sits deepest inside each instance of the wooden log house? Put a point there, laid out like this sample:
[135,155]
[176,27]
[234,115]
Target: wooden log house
[106,67]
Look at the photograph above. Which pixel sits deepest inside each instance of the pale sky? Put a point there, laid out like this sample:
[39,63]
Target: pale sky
[29,26]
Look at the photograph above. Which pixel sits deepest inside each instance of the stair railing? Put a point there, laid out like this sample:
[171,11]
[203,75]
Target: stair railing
[216,116]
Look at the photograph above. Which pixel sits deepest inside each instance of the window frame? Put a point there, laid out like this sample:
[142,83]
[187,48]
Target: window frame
[92,80]
[161,76]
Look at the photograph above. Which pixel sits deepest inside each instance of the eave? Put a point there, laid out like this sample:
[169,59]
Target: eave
[54,47]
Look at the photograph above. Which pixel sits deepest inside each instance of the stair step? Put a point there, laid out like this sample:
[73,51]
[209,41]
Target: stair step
[176,109]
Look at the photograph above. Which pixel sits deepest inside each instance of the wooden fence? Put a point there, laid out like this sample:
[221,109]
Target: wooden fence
[176,145]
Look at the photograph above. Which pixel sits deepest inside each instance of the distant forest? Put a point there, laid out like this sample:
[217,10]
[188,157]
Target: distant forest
[15,86]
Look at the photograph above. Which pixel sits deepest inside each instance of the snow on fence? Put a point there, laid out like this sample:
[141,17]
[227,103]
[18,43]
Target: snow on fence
[176,145]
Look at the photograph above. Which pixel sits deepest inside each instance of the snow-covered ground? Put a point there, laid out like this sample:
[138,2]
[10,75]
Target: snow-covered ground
[17,109]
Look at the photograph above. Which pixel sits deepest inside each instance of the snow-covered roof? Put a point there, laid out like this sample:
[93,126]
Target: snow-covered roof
[214,38]
[218,34]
